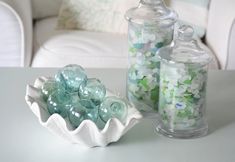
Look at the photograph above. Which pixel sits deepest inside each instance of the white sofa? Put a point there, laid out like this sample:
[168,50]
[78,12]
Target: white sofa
[37,43]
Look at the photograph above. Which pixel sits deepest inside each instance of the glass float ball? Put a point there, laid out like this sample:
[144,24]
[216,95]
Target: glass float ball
[76,114]
[74,97]
[59,102]
[93,90]
[113,107]
[71,76]
[48,87]
[82,110]
[88,104]
[91,109]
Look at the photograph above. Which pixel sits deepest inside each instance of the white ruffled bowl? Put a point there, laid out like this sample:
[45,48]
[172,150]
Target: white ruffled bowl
[87,134]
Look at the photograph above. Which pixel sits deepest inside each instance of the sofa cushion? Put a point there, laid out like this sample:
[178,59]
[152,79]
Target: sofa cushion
[57,48]
[45,8]
[231,49]
[95,15]
[43,30]
[220,32]
[11,40]
[192,12]
[107,16]
[89,49]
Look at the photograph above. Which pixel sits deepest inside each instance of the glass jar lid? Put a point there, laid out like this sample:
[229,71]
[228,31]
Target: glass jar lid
[153,11]
[184,49]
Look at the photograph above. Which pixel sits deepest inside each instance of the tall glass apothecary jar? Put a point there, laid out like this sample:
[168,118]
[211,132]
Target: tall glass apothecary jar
[151,26]
[183,80]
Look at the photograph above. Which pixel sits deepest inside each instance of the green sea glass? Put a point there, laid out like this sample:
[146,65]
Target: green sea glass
[113,107]
[182,95]
[151,26]
[183,79]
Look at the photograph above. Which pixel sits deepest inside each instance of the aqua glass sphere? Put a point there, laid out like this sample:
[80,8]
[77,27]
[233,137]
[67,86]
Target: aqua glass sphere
[76,114]
[82,110]
[71,76]
[88,104]
[59,102]
[113,107]
[91,109]
[92,89]
[48,87]
[74,97]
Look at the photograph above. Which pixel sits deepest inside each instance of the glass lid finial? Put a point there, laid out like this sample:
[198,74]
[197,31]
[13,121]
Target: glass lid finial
[152,11]
[185,49]
[185,33]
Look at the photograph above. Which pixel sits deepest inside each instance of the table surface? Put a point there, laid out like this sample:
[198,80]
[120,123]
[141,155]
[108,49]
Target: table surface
[23,139]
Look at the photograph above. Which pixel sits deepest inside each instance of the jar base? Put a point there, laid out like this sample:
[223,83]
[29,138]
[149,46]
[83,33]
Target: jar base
[183,134]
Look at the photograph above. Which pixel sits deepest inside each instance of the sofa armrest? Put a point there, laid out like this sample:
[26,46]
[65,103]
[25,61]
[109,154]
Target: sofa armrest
[221,31]
[12,37]
[18,11]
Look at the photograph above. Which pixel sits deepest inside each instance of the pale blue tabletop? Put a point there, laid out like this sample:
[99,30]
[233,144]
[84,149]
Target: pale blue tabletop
[23,139]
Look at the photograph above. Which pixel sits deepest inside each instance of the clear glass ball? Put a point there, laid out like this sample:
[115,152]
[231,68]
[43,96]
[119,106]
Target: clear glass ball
[92,89]
[113,107]
[59,102]
[71,76]
[82,110]
[49,87]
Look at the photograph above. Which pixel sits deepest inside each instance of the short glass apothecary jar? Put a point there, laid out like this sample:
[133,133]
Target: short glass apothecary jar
[183,80]
[151,26]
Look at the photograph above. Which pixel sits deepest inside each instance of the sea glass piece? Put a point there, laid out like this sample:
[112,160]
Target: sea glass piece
[92,89]
[71,76]
[82,110]
[150,27]
[59,102]
[183,80]
[182,95]
[113,107]
[48,87]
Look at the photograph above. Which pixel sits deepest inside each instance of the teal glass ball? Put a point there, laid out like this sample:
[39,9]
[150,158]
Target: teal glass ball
[71,76]
[92,89]
[76,115]
[91,110]
[82,110]
[74,97]
[49,87]
[59,102]
[113,107]
[88,104]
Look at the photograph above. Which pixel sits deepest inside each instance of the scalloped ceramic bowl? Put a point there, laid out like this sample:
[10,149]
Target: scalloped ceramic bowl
[87,134]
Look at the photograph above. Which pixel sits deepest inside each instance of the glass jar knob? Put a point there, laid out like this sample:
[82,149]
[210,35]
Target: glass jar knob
[185,33]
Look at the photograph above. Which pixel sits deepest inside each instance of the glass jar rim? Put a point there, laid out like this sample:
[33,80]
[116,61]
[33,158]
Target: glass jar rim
[159,14]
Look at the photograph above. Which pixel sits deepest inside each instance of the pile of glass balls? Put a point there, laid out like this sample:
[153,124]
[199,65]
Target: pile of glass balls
[76,98]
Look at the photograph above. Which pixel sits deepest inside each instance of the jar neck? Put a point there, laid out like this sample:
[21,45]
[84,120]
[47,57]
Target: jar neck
[151,2]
